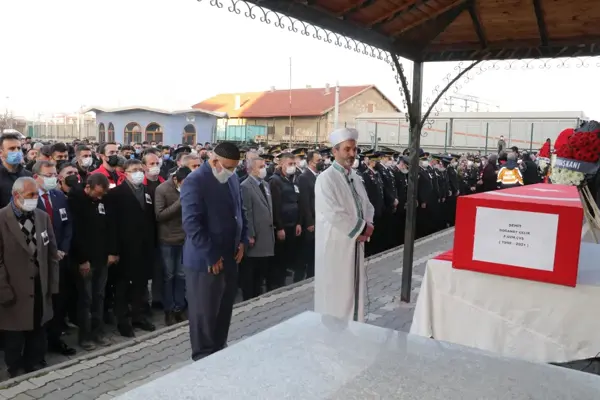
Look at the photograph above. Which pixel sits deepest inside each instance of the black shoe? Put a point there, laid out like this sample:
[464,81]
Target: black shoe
[169,318]
[43,363]
[13,372]
[144,325]
[61,347]
[180,316]
[125,330]
[30,368]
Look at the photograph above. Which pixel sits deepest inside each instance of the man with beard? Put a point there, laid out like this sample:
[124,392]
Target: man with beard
[344,221]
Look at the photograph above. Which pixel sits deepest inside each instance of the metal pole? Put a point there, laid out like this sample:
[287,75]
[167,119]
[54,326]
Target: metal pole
[291,129]
[399,128]
[487,133]
[531,139]
[446,139]
[336,112]
[376,138]
[413,174]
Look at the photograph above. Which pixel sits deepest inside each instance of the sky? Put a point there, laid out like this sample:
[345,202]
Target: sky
[62,55]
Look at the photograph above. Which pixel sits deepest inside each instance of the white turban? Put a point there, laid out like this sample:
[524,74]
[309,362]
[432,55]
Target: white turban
[341,135]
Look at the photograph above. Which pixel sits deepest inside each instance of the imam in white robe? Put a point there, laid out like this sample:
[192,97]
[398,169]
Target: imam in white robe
[341,213]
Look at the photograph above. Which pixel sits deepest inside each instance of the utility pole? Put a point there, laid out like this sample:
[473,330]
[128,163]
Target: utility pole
[291,128]
[336,112]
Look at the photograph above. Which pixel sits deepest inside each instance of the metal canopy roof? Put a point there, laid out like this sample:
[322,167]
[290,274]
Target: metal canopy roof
[456,30]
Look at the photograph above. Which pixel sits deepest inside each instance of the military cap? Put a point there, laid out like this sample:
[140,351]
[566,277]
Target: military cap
[268,157]
[300,152]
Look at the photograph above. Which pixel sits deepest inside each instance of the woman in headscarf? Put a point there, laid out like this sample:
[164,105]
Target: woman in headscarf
[489,176]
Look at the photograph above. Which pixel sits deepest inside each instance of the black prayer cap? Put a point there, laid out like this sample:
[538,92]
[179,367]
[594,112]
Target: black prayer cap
[182,173]
[227,150]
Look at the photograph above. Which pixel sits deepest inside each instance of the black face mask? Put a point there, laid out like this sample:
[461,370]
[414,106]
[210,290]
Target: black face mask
[320,166]
[71,180]
[113,160]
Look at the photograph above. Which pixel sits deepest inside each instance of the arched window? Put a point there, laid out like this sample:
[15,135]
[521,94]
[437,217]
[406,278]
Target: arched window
[189,135]
[133,133]
[101,133]
[154,133]
[111,132]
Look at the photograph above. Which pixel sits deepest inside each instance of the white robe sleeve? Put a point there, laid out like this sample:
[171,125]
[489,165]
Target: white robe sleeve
[335,209]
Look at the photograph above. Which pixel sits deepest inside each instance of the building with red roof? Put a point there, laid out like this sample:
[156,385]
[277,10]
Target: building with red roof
[298,115]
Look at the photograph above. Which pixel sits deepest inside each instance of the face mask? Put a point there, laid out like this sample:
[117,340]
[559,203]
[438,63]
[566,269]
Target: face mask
[389,163]
[469,163]
[138,151]
[137,177]
[290,170]
[166,157]
[153,171]
[29,204]
[86,162]
[222,176]
[71,180]
[355,164]
[131,156]
[14,157]
[160,162]
[113,160]
[425,163]
[476,164]
[302,164]
[262,173]
[404,170]
[50,183]
[320,166]
[327,161]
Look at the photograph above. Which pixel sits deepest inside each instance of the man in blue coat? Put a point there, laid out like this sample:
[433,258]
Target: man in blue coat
[54,202]
[216,235]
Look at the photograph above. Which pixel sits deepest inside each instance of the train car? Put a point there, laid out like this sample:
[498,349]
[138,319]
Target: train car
[468,131]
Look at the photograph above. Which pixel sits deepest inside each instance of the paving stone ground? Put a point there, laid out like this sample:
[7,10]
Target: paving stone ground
[128,363]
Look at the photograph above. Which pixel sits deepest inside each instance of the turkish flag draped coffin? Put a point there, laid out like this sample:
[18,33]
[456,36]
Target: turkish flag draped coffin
[530,232]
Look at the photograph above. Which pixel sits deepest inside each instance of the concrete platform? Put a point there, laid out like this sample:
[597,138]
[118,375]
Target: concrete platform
[314,357]
[105,373]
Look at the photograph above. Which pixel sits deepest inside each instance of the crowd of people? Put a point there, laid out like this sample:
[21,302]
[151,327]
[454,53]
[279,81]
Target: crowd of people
[95,233]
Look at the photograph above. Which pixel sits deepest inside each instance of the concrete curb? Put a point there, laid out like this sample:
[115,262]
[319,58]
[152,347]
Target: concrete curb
[127,343]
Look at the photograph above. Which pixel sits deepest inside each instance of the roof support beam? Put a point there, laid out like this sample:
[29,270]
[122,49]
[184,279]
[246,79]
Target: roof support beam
[442,17]
[541,22]
[398,12]
[474,12]
[356,7]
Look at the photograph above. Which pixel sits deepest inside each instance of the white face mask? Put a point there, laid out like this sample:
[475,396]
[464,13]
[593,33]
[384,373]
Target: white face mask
[86,162]
[327,161]
[262,173]
[355,164]
[404,170]
[160,163]
[50,183]
[469,163]
[222,176]
[302,164]
[425,163]
[154,171]
[29,204]
[290,170]
[136,177]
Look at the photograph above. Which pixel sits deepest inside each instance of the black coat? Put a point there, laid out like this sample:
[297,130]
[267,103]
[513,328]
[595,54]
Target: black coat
[134,232]
[374,187]
[90,228]
[306,184]
[7,179]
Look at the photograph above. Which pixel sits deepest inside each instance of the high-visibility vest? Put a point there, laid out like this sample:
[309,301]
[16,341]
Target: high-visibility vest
[510,177]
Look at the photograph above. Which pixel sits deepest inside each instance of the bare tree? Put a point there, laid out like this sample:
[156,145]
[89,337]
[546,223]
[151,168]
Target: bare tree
[7,120]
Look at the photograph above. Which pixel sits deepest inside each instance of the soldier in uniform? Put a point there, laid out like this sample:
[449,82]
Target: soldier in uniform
[428,197]
[453,187]
[390,196]
[443,185]
[400,172]
[274,152]
[300,159]
[240,170]
[374,187]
